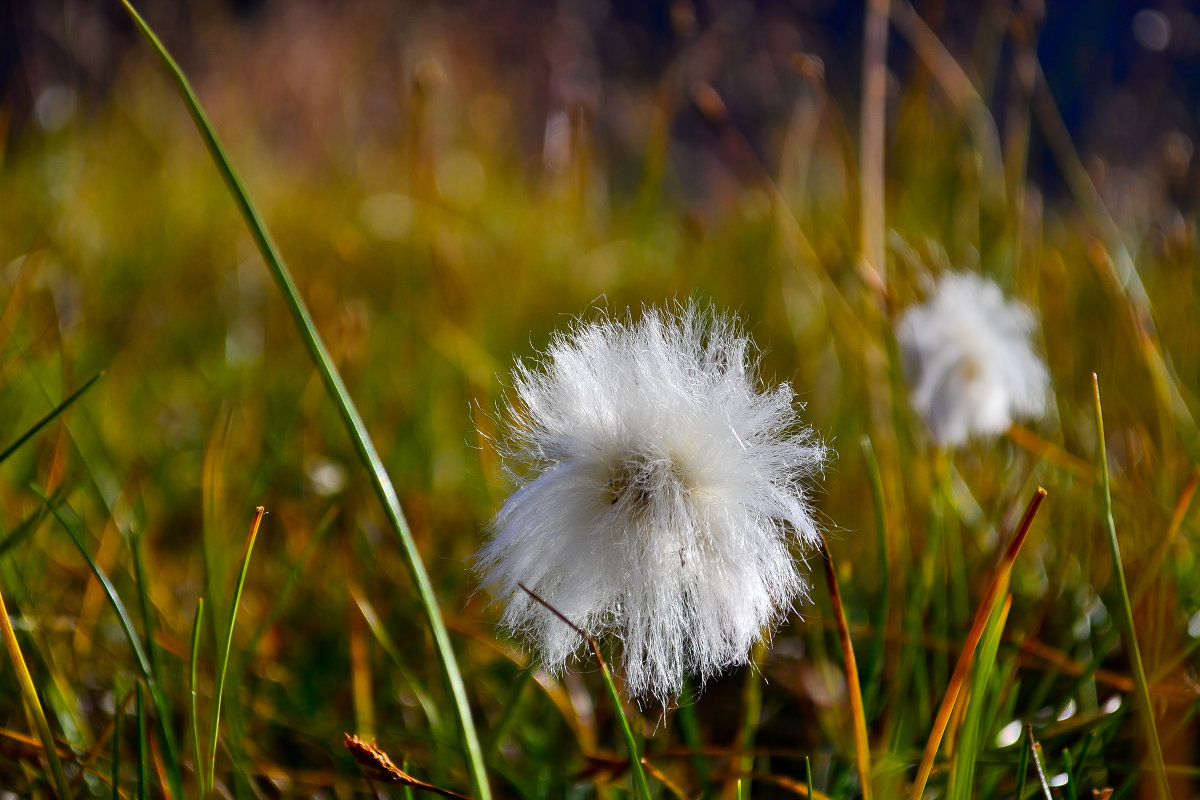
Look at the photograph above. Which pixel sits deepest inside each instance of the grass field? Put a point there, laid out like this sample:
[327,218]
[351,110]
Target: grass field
[431,255]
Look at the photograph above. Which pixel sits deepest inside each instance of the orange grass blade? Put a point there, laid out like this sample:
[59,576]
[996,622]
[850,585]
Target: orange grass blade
[994,590]
[862,745]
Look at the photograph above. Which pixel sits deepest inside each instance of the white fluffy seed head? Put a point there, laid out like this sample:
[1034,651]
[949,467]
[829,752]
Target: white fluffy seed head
[660,493]
[969,362]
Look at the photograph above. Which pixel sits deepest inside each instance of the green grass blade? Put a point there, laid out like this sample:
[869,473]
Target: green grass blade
[114,599]
[46,420]
[223,666]
[970,741]
[1128,633]
[389,646]
[135,643]
[139,578]
[197,757]
[1023,761]
[641,786]
[143,750]
[54,766]
[689,728]
[338,392]
[635,758]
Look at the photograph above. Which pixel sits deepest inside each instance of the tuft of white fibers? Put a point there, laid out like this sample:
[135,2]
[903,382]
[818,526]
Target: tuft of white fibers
[660,494]
[969,362]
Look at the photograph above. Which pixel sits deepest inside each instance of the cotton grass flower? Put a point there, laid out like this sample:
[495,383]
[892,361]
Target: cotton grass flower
[969,362]
[660,495]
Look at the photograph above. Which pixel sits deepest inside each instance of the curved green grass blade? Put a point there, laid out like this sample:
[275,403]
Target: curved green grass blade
[428,707]
[135,643]
[219,691]
[46,420]
[1128,633]
[29,692]
[336,389]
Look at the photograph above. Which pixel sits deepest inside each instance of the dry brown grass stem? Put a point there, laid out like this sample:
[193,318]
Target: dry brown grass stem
[862,745]
[996,587]
[378,767]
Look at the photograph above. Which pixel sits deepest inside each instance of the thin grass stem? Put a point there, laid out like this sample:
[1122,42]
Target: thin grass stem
[862,744]
[335,387]
[635,760]
[995,589]
[1128,633]
[1023,761]
[223,667]
[197,756]
[1036,749]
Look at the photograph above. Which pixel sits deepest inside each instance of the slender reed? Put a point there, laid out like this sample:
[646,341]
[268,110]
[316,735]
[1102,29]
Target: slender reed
[635,759]
[1125,617]
[335,387]
[862,745]
[219,691]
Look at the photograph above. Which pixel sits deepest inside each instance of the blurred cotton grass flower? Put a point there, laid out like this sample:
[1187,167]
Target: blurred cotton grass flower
[969,362]
[660,494]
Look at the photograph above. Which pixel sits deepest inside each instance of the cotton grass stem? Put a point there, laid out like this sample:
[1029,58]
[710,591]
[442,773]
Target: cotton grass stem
[223,667]
[1125,617]
[635,759]
[995,589]
[54,767]
[862,745]
[337,391]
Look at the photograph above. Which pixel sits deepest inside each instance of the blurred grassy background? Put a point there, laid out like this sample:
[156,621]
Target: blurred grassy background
[450,183]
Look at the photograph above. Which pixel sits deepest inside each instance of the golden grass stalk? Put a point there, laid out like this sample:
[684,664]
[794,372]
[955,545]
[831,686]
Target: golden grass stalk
[54,767]
[862,745]
[995,589]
